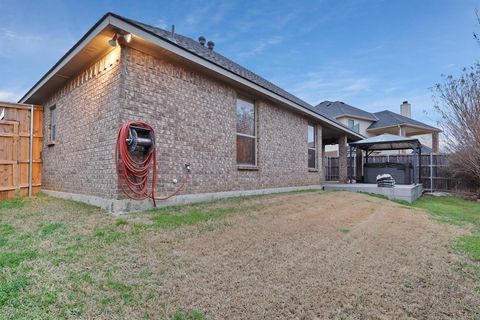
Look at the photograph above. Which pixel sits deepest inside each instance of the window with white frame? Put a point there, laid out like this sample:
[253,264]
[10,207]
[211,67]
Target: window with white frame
[312,146]
[246,133]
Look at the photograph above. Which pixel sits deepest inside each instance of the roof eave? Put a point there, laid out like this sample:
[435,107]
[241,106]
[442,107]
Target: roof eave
[354,116]
[87,37]
[405,124]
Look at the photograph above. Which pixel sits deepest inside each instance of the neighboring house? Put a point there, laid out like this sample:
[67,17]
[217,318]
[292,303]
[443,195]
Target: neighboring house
[377,123]
[239,131]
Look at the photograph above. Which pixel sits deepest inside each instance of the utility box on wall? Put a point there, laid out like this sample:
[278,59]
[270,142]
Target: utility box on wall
[21,139]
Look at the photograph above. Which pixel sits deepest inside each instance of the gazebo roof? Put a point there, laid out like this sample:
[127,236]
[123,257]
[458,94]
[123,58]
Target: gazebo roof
[387,141]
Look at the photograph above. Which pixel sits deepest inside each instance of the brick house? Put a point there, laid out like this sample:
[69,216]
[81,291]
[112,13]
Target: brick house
[239,131]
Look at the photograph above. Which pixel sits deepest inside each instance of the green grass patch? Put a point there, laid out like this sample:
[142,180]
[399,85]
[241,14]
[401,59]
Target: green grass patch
[108,234]
[121,222]
[14,259]
[168,219]
[13,203]
[5,231]
[344,230]
[50,228]
[456,211]
[451,209]
[10,289]
[469,245]
[193,315]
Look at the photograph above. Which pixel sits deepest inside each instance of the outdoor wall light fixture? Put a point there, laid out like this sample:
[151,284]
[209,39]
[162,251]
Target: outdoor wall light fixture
[114,41]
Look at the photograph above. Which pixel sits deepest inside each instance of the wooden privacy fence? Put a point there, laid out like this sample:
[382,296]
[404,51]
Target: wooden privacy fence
[436,175]
[21,139]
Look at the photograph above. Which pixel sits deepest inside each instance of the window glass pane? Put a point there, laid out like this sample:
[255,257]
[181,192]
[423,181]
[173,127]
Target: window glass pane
[52,133]
[53,123]
[245,117]
[311,136]
[312,158]
[245,150]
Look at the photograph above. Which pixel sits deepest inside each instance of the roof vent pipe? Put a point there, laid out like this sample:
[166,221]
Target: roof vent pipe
[202,40]
[173,31]
[210,45]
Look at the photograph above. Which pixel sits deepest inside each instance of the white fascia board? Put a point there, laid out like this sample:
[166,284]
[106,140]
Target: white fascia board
[211,66]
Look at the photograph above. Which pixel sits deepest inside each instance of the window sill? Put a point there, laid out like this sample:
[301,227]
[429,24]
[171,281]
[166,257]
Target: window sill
[312,170]
[50,143]
[247,168]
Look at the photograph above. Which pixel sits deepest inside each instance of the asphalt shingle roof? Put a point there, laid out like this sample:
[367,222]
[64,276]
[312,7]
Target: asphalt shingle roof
[334,109]
[196,48]
[380,119]
[388,118]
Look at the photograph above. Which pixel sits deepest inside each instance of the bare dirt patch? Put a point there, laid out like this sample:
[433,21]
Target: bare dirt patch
[335,255]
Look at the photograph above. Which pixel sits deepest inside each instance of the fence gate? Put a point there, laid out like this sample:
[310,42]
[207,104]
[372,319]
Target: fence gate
[20,149]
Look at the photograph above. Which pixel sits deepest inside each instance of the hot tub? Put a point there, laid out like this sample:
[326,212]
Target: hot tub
[402,173]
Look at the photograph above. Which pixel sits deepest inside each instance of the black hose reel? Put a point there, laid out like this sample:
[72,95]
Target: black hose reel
[141,140]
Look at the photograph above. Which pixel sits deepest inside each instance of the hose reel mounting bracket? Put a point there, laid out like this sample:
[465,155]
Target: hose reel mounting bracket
[142,139]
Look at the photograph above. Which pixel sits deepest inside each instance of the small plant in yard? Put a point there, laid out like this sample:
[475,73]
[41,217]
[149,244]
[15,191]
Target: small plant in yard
[193,315]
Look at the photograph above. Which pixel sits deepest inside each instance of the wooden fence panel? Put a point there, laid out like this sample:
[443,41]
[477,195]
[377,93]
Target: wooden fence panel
[15,149]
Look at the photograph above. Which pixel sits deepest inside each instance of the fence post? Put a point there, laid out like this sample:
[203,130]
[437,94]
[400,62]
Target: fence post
[431,172]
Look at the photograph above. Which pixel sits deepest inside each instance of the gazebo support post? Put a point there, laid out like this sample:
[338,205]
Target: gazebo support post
[358,164]
[419,164]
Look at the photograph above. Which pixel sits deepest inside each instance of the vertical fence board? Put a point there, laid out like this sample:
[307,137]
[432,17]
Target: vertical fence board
[14,149]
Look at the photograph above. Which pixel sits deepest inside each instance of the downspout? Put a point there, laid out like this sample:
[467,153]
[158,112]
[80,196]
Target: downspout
[30,153]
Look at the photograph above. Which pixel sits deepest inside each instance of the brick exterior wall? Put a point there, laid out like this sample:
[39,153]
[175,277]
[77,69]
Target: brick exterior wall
[195,120]
[81,161]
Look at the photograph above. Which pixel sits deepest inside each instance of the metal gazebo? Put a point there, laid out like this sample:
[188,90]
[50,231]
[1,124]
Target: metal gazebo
[390,142]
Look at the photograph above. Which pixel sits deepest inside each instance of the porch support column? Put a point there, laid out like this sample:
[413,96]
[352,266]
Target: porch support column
[435,142]
[359,165]
[321,154]
[342,159]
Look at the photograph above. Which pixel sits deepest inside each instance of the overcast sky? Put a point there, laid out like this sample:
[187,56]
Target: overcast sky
[371,54]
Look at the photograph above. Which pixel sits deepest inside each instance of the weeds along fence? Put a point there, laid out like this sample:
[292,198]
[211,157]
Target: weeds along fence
[436,172]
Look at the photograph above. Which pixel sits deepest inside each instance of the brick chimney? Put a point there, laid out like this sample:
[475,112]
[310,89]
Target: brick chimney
[406,109]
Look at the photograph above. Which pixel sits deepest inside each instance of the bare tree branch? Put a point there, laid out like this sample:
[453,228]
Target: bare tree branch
[458,103]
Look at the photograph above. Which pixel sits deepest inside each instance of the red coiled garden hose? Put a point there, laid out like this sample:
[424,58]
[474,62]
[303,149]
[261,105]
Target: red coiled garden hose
[133,174]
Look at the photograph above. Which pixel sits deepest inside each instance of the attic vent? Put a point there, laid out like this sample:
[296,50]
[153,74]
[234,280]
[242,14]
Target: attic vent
[202,40]
[210,45]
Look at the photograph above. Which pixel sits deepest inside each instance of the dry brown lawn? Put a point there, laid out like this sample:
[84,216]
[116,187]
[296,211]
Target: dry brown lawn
[306,255]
